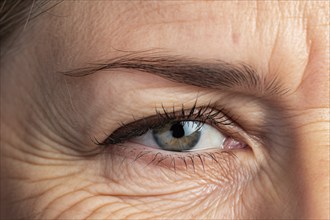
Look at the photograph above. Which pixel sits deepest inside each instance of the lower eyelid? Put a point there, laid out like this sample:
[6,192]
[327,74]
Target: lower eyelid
[176,161]
[135,170]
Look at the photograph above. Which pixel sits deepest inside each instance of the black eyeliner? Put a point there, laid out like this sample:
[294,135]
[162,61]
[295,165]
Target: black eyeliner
[205,114]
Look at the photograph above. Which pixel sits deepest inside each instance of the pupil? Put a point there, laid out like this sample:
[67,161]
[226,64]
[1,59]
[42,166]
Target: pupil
[177,130]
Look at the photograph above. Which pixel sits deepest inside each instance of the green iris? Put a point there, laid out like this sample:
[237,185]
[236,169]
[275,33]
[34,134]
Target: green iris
[178,136]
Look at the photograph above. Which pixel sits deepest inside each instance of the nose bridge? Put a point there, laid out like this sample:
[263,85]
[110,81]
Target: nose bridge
[312,115]
[312,166]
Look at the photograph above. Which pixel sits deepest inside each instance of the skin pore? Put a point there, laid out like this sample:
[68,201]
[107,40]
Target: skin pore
[52,166]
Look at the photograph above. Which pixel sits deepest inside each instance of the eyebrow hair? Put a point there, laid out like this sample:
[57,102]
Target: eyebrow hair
[215,74]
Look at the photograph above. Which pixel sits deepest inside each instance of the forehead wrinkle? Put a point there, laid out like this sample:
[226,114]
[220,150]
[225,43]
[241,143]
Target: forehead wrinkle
[318,53]
[92,19]
[100,14]
[75,27]
[128,14]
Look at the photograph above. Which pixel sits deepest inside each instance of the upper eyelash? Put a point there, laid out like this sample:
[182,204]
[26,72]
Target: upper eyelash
[208,113]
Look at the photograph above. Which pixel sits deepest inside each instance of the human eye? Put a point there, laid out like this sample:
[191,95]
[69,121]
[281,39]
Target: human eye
[182,136]
[198,131]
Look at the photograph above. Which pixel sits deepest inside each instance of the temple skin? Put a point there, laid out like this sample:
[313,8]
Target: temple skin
[48,119]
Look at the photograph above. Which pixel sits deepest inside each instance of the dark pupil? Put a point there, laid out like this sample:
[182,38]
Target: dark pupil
[177,130]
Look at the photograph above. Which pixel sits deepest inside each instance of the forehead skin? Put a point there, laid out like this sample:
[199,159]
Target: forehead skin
[287,40]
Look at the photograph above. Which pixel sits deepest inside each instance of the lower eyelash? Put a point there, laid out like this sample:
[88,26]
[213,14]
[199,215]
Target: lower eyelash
[188,161]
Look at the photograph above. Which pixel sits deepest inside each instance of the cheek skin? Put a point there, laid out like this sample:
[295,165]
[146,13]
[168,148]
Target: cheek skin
[131,192]
[161,191]
[78,189]
[72,188]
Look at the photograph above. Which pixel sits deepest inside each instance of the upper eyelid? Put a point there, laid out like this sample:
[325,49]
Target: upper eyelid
[143,125]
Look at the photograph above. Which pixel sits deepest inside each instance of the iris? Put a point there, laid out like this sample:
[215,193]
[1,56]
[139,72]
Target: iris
[178,135]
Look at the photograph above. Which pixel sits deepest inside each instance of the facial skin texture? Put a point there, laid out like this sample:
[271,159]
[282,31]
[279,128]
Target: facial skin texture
[50,168]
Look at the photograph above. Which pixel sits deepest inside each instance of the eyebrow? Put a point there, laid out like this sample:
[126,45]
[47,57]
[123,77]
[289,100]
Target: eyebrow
[212,74]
